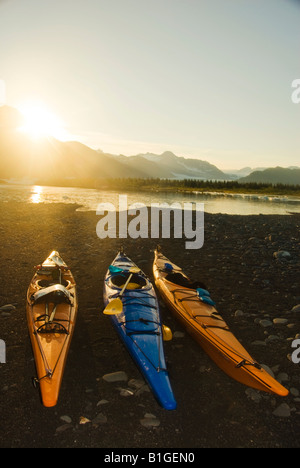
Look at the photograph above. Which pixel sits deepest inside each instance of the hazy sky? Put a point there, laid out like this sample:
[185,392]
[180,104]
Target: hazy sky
[204,78]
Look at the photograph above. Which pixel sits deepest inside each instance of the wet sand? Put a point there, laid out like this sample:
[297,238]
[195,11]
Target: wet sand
[238,265]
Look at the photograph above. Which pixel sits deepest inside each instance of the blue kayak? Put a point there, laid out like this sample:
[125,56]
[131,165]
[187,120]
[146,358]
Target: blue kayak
[139,325]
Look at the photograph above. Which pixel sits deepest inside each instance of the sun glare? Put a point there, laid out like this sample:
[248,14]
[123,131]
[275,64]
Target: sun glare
[36,195]
[41,123]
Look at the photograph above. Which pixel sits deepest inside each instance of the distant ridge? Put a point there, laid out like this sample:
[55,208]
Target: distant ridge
[274,175]
[168,165]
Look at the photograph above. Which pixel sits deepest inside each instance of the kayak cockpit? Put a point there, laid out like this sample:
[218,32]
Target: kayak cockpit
[137,281]
[52,306]
[182,280]
[56,293]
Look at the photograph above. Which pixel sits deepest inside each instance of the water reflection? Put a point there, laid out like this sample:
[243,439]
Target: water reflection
[89,199]
[36,196]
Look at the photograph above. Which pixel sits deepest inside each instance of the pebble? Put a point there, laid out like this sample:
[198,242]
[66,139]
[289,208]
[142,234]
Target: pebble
[271,338]
[139,386]
[119,376]
[125,392]
[100,419]
[253,394]
[84,420]
[144,388]
[283,377]
[102,402]
[63,428]
[136,383]
[282,254]
[239,313]
[280,321]
[265,323]
[178,334]
[7,308]
[66,419]
[5,314]
[294,392]
[150,421]
[282,411]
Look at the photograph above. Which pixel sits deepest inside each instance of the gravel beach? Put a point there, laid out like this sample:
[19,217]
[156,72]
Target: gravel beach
[251,266]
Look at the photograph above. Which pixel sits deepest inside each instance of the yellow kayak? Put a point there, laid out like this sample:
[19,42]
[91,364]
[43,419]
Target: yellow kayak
[193,306]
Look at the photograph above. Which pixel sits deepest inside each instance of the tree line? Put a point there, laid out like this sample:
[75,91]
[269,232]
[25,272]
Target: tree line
[196,184]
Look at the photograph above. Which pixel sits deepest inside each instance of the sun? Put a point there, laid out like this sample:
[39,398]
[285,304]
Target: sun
[39,122]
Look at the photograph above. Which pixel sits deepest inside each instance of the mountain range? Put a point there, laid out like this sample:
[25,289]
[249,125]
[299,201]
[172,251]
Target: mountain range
[50,161]
[274,175]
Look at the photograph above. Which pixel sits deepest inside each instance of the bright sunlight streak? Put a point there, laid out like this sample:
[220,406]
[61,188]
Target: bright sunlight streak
[36,194]
[41,123]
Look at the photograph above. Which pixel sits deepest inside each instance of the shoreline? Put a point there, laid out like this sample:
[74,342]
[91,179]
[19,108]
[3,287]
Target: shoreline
[153,188]
[251,286]
[214,202]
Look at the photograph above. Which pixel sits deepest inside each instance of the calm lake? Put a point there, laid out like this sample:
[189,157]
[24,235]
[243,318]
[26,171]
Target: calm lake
[89,199]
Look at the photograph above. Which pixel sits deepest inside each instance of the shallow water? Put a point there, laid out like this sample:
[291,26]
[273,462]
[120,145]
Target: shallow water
[89,199]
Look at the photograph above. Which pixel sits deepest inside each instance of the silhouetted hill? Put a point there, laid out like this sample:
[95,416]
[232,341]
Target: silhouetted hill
[48,160]
[51,161]
[274,175]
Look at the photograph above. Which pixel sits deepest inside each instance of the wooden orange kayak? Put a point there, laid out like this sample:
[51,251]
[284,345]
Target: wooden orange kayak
[51,314]
[192,305]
